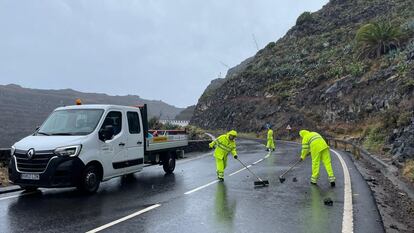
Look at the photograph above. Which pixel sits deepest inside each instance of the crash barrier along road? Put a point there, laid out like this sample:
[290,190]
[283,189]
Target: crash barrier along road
[191,199]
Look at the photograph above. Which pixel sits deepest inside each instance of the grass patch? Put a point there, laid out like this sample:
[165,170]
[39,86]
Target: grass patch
[4,180]
[374,138]
[408,170]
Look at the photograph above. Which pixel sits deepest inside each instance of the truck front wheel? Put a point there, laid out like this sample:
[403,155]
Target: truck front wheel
[29,188]
[168,164]
[90,179]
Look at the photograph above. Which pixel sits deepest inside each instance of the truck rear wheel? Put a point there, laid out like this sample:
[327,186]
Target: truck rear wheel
[168,164]
[90,179]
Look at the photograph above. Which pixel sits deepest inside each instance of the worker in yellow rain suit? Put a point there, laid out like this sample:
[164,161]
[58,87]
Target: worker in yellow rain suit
[270,142]
[224,145]
[314,143]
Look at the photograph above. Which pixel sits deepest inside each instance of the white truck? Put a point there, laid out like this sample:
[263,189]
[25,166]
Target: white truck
[82,145]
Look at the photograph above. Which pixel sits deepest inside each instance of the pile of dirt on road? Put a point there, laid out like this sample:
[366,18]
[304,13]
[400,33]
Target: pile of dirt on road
[395,206]
[3,176]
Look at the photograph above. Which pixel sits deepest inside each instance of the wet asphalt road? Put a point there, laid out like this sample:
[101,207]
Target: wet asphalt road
[191,201]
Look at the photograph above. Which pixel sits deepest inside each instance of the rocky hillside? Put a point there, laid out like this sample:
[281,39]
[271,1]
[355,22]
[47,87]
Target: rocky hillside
[321,76]
[22,109]
[186,114]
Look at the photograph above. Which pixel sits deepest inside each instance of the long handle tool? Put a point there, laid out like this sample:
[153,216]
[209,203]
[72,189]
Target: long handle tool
[282,178]
[256,183]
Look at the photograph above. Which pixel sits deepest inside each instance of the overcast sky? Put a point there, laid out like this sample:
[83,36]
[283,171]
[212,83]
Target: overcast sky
[166,50]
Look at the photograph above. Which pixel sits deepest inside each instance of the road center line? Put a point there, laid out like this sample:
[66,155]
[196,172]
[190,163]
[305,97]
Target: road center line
[348,219]
[201,187]
[124,218]
[215,181]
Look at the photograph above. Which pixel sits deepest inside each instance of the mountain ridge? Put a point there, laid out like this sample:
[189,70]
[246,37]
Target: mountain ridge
[24,108]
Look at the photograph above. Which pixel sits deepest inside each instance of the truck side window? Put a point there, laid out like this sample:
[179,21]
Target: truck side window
[115,119]
[133,123]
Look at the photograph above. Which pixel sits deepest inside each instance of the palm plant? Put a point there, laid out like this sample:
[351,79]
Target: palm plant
[376,39]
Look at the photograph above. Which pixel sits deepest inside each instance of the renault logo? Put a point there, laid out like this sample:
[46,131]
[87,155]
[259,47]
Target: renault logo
[30,153]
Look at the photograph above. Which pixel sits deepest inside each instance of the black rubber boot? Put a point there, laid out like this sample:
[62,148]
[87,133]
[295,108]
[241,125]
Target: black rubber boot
[221,179]
[333,184]
[313,183]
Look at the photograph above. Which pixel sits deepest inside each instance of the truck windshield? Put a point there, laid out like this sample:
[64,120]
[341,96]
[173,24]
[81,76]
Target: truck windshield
[71,122]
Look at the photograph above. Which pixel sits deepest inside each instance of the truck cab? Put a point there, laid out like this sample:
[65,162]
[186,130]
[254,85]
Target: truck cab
[83,145]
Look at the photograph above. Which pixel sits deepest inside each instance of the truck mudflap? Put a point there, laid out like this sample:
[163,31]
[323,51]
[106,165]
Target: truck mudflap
[60,172]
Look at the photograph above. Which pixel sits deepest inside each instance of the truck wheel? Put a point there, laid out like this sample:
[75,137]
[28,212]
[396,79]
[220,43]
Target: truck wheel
[29,188]
[169,163]
[90,179]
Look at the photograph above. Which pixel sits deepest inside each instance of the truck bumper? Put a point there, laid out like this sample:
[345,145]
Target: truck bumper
[61,172]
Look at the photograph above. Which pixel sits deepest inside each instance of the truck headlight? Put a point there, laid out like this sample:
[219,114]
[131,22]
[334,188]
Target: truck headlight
[12,150]
[68,151]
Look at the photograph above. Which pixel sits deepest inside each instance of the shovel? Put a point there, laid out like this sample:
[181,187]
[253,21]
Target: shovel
[256,183]
[282,178]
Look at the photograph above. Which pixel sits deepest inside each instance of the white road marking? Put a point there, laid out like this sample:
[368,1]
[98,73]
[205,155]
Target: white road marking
[124,218]
[201,187]
[16,196]
[234,173]
[215,181]
[348,218]
[258,161]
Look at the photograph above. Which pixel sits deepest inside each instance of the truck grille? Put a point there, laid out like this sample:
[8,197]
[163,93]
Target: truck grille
[37,164]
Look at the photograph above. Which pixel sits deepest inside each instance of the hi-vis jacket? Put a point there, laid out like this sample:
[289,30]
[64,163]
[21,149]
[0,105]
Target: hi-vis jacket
[223,146]
[312,142]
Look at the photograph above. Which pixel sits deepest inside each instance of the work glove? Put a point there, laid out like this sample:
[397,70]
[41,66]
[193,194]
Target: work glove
[236,157]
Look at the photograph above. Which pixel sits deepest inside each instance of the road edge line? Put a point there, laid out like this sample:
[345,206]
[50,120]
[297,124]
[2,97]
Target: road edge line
[348,218]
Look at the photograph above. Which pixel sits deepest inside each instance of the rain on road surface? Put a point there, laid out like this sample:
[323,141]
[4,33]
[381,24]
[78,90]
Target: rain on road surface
[191,200]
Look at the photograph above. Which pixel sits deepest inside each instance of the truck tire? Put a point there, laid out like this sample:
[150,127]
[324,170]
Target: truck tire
[168,164]
[29,188]
[90,179]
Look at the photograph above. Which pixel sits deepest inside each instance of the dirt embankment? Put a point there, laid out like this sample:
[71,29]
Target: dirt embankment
[395,206]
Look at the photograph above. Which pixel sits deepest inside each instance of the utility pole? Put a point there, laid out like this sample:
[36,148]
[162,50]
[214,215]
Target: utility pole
[224,64]
[255,41]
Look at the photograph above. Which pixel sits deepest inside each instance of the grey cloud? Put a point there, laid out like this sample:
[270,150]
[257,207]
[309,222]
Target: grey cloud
[168,50]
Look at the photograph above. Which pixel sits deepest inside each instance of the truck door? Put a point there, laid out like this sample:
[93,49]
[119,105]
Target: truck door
[114,152]
[135,142]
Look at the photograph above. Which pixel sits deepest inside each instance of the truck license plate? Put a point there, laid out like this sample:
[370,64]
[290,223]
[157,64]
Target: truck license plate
[28,176]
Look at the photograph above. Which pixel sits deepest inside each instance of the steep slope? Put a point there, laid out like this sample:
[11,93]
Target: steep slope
[312,78]
[186,114]
[22,109]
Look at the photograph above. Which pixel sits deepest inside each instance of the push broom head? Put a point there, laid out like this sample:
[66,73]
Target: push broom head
[261,183]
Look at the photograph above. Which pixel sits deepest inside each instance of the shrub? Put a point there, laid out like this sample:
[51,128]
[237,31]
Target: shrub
[356,69]
[336,71]
[304,18]
[376,39]
[154,123]
[408,170]
[374,138]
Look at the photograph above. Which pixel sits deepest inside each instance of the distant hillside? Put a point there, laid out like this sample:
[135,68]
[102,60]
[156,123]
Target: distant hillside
[22,109]
[318,77]
[186,114]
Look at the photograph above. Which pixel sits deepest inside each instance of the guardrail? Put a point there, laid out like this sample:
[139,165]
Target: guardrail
[356,150]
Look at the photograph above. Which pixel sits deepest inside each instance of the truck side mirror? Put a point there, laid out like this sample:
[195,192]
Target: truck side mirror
[106,133]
